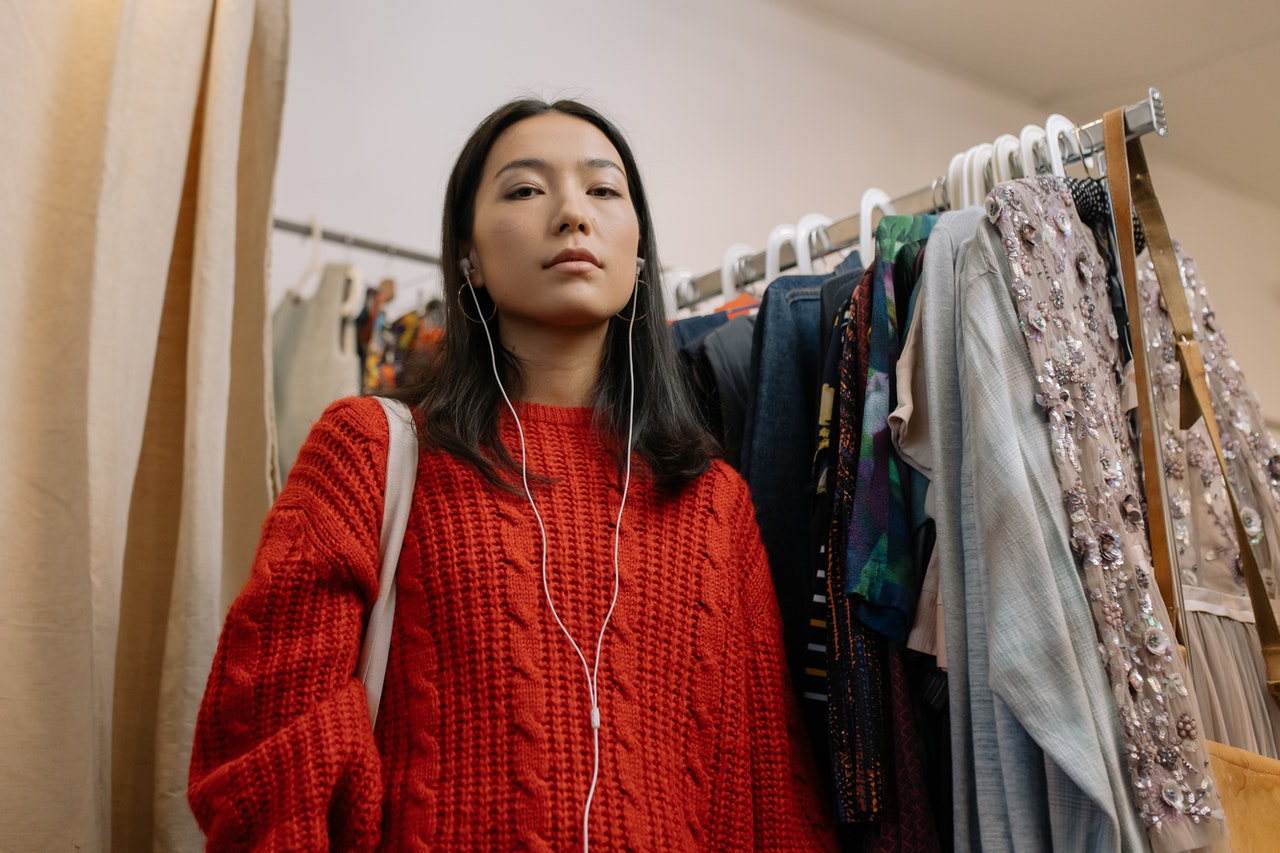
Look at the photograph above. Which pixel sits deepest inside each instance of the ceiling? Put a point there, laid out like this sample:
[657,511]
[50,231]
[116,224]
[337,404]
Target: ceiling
[1216,64]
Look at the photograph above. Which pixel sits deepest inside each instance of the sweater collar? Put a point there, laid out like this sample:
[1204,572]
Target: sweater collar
[566,416]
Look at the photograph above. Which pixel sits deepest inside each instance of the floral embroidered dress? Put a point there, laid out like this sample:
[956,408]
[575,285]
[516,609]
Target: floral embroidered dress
[1231,683]
[1058,281]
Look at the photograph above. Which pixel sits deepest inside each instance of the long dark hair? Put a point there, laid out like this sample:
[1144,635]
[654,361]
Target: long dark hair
[456,392]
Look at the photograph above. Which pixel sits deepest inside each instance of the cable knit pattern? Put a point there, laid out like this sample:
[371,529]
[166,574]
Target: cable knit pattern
[484,739]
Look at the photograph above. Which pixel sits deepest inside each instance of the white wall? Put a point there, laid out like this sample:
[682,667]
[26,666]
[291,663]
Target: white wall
[742,113]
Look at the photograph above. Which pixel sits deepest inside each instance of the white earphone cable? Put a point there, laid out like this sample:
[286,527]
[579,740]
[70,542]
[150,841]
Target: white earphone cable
[591,672]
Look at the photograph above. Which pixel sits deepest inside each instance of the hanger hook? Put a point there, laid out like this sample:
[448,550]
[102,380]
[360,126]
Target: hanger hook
[819,241]
[317,234]
[1042,162]
[1086,159]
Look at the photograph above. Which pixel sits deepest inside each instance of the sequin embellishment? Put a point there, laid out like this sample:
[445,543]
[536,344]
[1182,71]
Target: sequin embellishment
[1059,285]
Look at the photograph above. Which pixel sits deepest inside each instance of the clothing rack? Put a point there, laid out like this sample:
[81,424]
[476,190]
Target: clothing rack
[1146,116]
[351,241]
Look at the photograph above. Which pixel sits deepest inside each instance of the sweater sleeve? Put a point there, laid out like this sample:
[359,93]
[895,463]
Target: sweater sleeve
[284,756]
[788,802]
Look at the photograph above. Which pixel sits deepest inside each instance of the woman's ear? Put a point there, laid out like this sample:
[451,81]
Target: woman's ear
[469,266]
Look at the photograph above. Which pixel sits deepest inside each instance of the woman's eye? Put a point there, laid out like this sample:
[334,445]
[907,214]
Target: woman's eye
[522,192]
[606,191]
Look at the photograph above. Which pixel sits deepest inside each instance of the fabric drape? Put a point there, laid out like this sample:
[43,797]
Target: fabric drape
[140,141]
[1036,763]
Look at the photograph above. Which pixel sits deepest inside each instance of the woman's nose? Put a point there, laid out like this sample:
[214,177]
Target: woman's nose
[572,217]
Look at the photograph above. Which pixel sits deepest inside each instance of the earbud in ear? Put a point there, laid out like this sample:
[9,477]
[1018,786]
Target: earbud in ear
[464,266]
[639,265]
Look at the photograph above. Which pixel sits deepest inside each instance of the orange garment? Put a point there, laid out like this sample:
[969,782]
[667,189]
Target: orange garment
[483,738]
[742,305]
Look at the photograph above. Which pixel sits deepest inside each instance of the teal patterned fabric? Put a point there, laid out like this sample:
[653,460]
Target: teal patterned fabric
[880,570]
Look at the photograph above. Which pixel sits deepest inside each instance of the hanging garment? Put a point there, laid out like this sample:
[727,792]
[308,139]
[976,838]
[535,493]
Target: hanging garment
[727,353]
[687,330]
[1093,206]
[777,442]
[856,689]
[909,421]
[877,765]
[906,822]
[1227,665]
[880,572]
[689,336]
[1059,282]
[392,348]
[372,338]
[715,361]
[1035,738]
[835,309]
[314,360]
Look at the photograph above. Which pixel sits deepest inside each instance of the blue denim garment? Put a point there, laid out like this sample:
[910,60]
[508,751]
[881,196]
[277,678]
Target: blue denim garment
[777,442]
[685,331]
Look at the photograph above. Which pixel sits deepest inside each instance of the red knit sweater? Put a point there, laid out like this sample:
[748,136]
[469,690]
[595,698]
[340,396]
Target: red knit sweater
[483,738]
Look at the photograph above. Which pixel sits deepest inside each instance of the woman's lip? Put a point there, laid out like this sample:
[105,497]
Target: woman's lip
[574,266]
[574,255]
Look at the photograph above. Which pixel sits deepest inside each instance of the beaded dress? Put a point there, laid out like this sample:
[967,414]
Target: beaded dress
[1058,281]
[1226,657]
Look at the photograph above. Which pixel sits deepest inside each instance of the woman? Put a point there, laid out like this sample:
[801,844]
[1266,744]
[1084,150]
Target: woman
[586,646]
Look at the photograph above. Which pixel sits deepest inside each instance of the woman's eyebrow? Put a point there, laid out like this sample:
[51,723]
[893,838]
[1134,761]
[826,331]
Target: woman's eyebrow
[539,165]
[601,163]
[535,163]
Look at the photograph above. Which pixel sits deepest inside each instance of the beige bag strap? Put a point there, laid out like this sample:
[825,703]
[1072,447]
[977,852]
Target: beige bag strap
[402,472]
[1195,399]
[1157,518]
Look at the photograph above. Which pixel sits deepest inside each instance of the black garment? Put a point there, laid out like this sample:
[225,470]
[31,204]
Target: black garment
[835,293]
[726,352]
[689,336]
[1093,204]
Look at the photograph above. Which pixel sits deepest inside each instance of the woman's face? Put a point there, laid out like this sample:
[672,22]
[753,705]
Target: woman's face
[555,235]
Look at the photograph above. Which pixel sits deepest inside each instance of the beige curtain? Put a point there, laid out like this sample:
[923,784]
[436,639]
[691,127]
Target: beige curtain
[138,142]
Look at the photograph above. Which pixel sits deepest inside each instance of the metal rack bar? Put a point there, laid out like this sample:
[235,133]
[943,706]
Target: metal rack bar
[354,242]
[1146,116]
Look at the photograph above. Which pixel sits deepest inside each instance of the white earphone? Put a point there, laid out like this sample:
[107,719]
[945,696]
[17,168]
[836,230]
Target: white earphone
[591,671]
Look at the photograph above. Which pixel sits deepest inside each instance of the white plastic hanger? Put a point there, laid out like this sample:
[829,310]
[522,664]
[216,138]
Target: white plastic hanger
[729,268]
[1002,152]
[1060,133]
[976,160]
[351,308]
[314,266]
[778,237]
[1031,136]
[955,183]
[966,183]
[871,199]
[677,287]
[355,294]
[809,226]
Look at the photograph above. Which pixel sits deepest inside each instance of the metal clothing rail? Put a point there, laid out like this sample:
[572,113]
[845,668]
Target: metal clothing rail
[1146,116]
[354,242]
